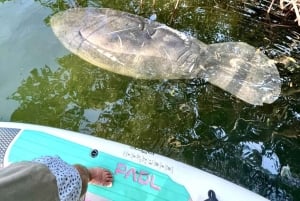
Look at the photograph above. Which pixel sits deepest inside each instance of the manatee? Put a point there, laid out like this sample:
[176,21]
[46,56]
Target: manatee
[134,46]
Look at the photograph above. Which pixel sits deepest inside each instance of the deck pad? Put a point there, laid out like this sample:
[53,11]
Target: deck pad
[6,137]
[132,181]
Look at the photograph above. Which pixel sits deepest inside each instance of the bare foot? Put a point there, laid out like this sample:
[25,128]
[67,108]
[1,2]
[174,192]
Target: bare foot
[102,177]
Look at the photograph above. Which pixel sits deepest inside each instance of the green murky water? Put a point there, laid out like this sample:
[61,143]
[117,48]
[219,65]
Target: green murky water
[188,120]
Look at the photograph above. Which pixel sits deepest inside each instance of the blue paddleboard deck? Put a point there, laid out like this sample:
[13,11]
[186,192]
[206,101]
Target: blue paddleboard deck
[132,181]
[139,175]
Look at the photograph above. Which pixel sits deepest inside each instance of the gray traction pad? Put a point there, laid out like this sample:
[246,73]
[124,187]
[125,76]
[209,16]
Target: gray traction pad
[6,136]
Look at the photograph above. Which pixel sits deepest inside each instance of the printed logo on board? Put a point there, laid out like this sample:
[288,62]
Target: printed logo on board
[140,177]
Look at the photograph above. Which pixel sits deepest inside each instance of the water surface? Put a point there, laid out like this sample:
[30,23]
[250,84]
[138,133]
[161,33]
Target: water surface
[188,120]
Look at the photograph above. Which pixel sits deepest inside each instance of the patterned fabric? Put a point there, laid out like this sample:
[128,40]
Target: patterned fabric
[67,177]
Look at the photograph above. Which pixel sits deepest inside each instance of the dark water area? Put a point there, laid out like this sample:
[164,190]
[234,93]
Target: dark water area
[188,120]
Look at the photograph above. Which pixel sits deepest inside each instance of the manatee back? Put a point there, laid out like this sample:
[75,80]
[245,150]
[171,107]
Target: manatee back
[128,44]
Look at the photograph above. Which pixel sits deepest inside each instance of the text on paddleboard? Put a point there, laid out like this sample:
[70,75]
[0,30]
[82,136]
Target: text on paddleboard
[141,177]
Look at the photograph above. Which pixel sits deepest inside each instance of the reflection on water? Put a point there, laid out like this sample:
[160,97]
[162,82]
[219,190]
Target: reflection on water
[187,120]
[25,42]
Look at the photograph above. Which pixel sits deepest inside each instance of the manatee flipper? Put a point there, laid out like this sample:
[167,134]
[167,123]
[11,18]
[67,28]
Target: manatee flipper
[243,71]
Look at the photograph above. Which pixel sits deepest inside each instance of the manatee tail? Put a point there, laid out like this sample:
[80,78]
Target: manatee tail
[243,71]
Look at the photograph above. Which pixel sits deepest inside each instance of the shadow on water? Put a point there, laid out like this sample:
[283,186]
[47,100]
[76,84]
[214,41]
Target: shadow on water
[187,120]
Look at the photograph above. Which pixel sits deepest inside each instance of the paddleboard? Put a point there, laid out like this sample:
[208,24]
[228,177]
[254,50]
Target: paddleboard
[139,175]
